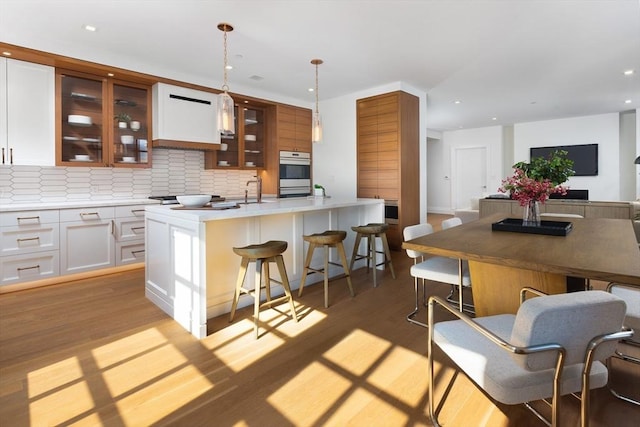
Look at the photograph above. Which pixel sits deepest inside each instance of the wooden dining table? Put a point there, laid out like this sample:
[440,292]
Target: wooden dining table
[503,262]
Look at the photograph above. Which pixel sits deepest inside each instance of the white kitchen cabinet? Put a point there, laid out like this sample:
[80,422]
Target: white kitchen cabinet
[185,115]
[29,245]
[86,239]
[27,113]
[129,234]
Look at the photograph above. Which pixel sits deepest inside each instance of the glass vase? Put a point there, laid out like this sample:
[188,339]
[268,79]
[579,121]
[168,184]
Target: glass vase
[531,216]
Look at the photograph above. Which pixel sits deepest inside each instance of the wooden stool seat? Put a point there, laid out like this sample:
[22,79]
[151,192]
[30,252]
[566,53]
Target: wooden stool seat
[327,239]
[263,250]
[262,254]
[370,232]
[371,228]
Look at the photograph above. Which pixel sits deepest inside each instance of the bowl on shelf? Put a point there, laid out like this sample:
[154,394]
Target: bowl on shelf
[223,163]
[129,159]
[194,200]
[224,146]
[78,120]
[126,139]
[249,137]
[83,157]
[249,164]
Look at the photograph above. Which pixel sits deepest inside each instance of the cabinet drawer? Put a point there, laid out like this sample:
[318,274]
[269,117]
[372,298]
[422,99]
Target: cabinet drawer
[24,268]
[129,229]
[87,214]
[129,253]
[21,240]
[29,218]
[136,211]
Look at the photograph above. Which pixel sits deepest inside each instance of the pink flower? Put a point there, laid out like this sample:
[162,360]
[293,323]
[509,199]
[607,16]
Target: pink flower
[525,189]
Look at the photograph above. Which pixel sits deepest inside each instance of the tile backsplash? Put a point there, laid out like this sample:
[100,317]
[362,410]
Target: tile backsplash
[173,172]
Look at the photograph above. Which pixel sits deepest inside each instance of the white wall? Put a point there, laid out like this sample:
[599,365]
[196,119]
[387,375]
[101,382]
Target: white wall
[637,153]
[334,159]
[603,130]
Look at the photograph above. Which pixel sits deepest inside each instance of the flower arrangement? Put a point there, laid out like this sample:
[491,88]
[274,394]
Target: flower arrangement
[537,180]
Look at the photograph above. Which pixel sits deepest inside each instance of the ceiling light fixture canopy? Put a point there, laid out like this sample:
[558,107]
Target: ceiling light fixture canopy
[637,161]
[316,122]
[226,115]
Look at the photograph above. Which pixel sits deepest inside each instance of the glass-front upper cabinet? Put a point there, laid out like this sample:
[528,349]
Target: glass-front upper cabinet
[245,149]
[80,120]
[101,122]
[131,109]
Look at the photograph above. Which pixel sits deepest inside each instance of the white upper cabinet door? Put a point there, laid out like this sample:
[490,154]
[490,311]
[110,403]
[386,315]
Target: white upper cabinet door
[183,114]
[29,130]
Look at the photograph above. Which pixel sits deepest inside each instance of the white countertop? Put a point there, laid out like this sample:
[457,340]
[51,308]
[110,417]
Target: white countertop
[269,207]
[70,204]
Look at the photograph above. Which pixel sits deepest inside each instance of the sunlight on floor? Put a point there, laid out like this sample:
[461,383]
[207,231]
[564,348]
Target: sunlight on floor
[316,401]
[229,337]
[53,376]
[354,369]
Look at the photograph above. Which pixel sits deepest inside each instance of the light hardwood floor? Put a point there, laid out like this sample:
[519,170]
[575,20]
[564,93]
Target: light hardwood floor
[96,352]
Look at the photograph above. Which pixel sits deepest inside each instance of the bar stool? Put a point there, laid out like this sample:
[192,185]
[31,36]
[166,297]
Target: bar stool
[327,239]
[262,255]
[370,232]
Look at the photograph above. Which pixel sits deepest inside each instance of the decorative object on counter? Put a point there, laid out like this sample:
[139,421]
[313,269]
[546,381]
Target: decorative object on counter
[532,183]
[194,201]
[123,120]
[316,122]
[318,190]
[226,115]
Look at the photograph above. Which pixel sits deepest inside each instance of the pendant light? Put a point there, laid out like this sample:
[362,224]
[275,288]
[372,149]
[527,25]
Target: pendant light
[226,119]
[316,122]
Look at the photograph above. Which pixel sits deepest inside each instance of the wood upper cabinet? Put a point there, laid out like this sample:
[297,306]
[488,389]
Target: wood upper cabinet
[246,149]
[293,128]
[87,131]
[388,155]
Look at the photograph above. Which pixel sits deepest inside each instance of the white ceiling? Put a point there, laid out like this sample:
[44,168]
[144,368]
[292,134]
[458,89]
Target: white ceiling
[517,61]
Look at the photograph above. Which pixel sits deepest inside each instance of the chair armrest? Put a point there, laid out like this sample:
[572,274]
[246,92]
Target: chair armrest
[490,335]
[523,293]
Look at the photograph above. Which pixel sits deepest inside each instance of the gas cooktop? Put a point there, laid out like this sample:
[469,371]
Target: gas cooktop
[172,200]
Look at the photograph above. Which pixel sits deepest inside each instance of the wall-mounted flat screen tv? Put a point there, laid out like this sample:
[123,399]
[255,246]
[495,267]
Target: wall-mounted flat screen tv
[585,157]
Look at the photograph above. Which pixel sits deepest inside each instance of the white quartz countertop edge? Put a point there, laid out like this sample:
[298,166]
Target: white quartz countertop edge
[70,204]
[272,207]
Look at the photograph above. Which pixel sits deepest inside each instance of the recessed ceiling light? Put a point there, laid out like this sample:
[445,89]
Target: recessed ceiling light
[246,102]
[494,118]
[229,67]
[456,102]
[311,89]
[91,28]
[110,74]
[628,72]
[627,101]
[5,53]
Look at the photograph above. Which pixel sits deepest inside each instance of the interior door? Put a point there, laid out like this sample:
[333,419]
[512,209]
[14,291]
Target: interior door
[470,175]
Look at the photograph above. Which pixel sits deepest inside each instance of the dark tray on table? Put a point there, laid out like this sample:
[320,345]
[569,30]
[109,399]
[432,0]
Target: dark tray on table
[550,228]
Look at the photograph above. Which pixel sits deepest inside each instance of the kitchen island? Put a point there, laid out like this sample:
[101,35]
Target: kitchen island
[191,269]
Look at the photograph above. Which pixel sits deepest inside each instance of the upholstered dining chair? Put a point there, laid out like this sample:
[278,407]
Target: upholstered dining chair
[631,295]
[552,346]
[435,268]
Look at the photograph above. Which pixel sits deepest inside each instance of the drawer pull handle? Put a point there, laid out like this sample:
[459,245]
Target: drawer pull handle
[83,214]
[137,210]
[29,268]
[137,228]
[135,253]
[29,218]
[28,239]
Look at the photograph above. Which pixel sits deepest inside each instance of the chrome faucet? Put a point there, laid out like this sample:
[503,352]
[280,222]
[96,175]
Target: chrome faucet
[258,181]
